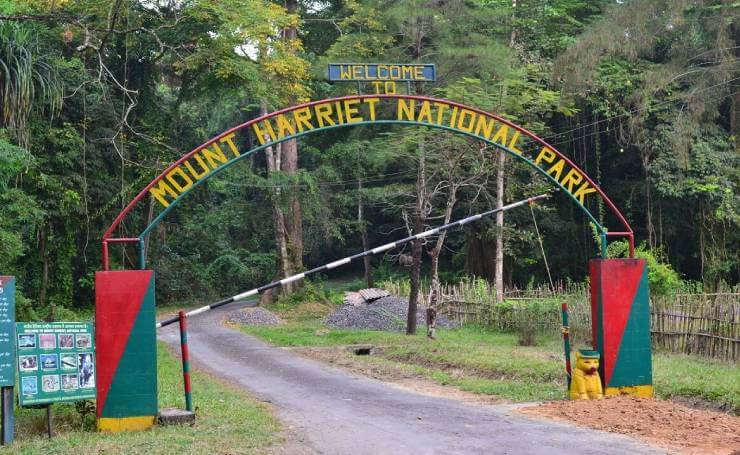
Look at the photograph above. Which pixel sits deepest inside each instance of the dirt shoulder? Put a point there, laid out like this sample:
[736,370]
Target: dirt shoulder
[667,424]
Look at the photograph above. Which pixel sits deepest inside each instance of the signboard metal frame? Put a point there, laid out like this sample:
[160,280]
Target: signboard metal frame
[7,356]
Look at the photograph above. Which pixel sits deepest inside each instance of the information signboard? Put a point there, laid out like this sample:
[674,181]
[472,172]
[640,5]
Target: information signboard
[411,72]
[7,331]
[56,362]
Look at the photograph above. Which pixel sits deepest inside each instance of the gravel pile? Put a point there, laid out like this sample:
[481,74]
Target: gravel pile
[387,313]
[254,316]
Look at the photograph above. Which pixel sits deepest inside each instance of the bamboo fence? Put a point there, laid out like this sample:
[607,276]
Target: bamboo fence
[703,324]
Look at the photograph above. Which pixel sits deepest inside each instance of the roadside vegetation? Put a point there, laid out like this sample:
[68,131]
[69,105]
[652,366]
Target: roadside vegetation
[227,419]
[482,361]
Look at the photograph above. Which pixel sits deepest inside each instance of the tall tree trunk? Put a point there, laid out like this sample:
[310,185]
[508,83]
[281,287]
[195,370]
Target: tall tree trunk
[651,235]
[274,158]
[436,251]
[499,271]
[416,244]
[293,220]
[500,173]
[363,234]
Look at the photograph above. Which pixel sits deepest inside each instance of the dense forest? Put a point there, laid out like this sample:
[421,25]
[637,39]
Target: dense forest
[98,97]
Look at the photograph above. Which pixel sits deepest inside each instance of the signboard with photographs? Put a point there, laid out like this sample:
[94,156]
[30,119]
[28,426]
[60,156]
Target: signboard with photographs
[56,362]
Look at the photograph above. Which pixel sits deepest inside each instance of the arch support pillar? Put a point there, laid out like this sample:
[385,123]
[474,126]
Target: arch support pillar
[620,318]
[125,336]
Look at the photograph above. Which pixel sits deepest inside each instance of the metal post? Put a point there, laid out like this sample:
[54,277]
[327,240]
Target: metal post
[49,425]
[8,419]
[185,360]
[603,245]
[142,254]
[106,260]
[566,342]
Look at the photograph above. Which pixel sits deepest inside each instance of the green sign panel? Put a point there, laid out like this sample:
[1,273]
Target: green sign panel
[56,362]
[7,331]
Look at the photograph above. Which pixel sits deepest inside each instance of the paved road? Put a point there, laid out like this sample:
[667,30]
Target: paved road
[341,413]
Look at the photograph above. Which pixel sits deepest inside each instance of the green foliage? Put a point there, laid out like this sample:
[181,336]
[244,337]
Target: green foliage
[28,80]
[662,278]
[640,96]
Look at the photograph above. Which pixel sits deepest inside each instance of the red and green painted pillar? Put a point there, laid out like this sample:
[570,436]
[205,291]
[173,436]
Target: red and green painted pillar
[126,350]
[620,311]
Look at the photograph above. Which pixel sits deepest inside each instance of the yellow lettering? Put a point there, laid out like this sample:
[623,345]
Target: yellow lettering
[344,72]
[557,169]
[390,88]
[377,85]
[229,141]
[210,156]
[284,126]
[425,111]
[484,128]
[349,111]
[406,110]
[262,135]
[501,135]
[159,192]
[185,177]
[513,143]
[581,193]
[545,155]
[339,112]
[453,117]
[382,71]
[302,118]
[323,113]
[461,121]
[371,102]
[407,72]
[395,72]
[573,177]
[440,112]
[202,165]
[357,71]
[419,73]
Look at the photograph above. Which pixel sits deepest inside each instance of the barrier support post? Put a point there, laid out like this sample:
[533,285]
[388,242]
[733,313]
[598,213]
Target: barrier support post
[185,360]
[566,344]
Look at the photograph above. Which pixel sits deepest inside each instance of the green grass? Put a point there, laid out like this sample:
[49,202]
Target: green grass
[688,376]
[485,362]
[228,421]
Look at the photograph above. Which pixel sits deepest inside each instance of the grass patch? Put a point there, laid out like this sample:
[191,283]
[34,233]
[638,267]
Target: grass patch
[688,376]
[492,363]
[228,421]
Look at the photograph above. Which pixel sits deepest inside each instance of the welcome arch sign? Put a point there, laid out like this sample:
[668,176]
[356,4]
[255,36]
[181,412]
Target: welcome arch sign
[183,176]
[125,324]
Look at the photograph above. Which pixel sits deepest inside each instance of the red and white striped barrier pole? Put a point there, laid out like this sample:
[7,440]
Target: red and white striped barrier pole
[348,259]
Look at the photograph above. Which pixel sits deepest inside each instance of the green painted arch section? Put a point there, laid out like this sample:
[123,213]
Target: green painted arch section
[158,219]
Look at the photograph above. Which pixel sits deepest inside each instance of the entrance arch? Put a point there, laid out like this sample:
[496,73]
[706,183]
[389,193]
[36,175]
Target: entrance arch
[125,299]
[221,152]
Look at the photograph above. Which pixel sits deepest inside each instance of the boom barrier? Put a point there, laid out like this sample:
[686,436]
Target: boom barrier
[348,259]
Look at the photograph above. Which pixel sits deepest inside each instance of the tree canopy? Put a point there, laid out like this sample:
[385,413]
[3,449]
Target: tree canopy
[98,97]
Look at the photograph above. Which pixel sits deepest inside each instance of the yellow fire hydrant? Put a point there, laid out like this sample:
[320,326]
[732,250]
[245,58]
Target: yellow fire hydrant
[586,382]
